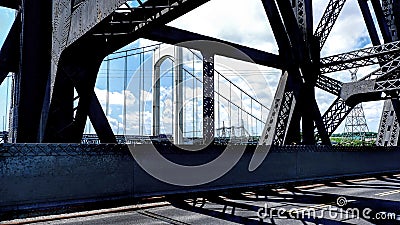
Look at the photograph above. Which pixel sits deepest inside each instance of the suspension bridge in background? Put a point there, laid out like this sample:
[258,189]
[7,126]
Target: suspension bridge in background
[243,114]
[176,107]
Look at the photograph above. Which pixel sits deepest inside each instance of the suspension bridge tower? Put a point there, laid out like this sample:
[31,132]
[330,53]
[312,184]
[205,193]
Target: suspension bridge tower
[356,125]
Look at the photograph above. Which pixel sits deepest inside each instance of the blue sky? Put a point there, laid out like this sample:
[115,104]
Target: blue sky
[251,29]
[6,19]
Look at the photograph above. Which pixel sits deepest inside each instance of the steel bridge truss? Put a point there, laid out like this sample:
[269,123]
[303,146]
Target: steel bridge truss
[73,30]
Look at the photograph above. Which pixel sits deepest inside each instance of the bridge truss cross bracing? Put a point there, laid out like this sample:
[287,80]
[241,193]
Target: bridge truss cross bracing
[61,38]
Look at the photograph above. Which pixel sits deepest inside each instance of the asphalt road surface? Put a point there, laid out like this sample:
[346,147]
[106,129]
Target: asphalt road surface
[374,200]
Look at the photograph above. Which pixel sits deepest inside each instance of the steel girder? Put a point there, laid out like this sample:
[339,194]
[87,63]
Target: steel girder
[280,115]
[360,58]
[12,4]
[328,19]
[74,21]
[293,100]
[391,17]
[366,89]
[31,80]
[369,22]
[335,115]
[77,22]
[382,22]
[208,97]
[65,123]
[383,80]
[329,85]
[380,84]
[388,132]
[304,15]
[175,36]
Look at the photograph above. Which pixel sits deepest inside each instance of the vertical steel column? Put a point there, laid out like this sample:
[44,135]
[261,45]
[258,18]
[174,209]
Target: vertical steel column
[388,133]
[80,64]
[208,97]
[178,127]
[281,113]
[34,69]
[389,11]
[369,22]
[388,125]
[304,15]
[382,21]
[156,100]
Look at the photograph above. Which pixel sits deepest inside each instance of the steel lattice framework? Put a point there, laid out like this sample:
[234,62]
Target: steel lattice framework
[356,125]
[53,47]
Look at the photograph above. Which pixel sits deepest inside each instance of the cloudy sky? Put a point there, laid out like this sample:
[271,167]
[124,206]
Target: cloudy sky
[230,20]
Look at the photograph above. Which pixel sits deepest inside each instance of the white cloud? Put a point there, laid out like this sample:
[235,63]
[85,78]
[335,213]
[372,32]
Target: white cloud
[115,98]
[232,20]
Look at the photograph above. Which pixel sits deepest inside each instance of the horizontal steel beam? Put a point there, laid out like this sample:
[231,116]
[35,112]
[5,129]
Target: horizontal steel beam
[130,20]
[384,71]
[360,58]
[12,4]
[175,36]
[386,80]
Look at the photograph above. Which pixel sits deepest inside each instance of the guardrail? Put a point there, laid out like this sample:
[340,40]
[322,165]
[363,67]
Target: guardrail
[34,176]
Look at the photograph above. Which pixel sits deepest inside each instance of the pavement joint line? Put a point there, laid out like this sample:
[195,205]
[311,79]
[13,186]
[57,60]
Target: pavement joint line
[363,179]
[388,193]
[162,218]
[311,186]
[84,213]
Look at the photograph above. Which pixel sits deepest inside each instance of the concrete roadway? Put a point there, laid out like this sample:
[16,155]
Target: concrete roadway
[364,201]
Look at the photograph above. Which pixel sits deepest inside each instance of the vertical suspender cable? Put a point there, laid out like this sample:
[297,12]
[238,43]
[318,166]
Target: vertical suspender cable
[140,91]
[251,112]
[219,106]
[197,102]
[7,96]
[108,86]
[193,101]
[172,93]
[125,87]
[230,104]
[142,88]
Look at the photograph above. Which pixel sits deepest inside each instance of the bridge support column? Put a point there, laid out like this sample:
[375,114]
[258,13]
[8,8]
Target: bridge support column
[281,113]
[34,70]
[156,100]
[208,97]
[388,133]
[178,126]
[78,67]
